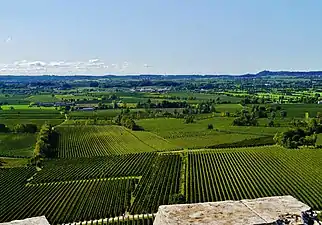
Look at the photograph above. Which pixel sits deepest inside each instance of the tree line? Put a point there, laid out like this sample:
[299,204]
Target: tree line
[46,140]
[19,128]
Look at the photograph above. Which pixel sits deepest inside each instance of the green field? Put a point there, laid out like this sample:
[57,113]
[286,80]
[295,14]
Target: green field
[17,145]
[42,98]
[196,135]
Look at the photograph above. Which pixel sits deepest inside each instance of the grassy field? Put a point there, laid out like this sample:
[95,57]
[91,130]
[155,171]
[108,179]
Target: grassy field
[197,135]
[42,98]
[232,108]
[172,128]
[26,107]
[18,145]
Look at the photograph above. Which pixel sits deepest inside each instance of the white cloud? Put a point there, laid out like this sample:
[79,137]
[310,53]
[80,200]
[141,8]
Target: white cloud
[92,66]
[8,39]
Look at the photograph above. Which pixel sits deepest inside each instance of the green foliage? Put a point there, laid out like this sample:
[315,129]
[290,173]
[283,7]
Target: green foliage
[294,138]
[245,119]
[126,121]
[25,128]
[210,126]
[45,142]
[189,119]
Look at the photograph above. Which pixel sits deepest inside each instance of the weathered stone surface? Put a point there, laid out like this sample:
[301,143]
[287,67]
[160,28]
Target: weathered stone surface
[255,211]
[41,220]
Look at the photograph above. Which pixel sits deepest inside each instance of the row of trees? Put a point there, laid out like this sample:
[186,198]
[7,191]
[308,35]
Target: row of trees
[20,128]
[45,142]
[162,104]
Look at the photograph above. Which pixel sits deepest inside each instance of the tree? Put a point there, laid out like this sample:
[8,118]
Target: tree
[245,119]
[189,119]
[294,138]
[271,123]
[3,128]
[210,127]
[283,114]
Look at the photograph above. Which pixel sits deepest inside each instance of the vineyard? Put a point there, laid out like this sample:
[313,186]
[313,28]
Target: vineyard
[89,141]
[90,189]
[252,174]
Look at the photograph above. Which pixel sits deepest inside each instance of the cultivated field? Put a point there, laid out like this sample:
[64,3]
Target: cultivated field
[88,141]
[101,187]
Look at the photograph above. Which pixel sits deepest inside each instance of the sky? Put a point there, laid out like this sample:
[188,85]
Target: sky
[159,36]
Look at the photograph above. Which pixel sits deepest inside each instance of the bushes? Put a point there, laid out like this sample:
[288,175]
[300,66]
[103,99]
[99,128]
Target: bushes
[189,119]
[25,128]
[126,121]
[245,119]
[294,138]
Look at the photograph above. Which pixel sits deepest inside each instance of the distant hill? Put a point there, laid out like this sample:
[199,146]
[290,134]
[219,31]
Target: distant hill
[288,73]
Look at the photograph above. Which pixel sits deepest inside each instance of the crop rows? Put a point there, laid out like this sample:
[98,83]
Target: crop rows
[239,175]
[84,189]
[88,141]
[12,187]
[94,168]
[157,185]
[68,202]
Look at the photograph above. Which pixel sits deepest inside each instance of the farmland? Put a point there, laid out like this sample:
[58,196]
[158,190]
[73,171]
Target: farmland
[209,175]
[111,150]
[77,141]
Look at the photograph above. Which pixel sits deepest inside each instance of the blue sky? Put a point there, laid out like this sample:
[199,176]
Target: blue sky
[159,36]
